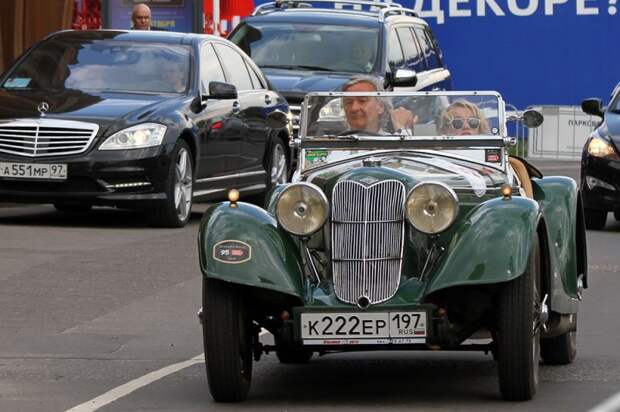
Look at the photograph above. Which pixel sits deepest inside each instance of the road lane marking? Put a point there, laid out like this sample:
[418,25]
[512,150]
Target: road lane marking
[131,386]
[610,405]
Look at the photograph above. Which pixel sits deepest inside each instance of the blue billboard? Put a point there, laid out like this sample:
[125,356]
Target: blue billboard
[534,52]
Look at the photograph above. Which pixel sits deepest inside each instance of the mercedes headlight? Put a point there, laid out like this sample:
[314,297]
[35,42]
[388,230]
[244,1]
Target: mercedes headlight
[302,209]
[431,207]
[601,148]
[136,137]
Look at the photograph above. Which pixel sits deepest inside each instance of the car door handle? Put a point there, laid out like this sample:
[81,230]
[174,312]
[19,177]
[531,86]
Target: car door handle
[236,108]
[267,99]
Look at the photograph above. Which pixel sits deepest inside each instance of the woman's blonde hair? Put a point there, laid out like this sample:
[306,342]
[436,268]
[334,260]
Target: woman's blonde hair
[446,116]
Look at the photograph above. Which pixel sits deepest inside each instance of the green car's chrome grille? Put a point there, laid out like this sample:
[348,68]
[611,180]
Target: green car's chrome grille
[367,239]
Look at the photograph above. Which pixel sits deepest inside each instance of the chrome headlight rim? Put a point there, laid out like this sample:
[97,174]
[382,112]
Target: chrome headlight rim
[453,197]
[323,202]
[157,131]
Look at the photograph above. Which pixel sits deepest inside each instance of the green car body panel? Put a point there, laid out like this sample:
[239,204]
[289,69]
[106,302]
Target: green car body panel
[558,197]
[274,263]
[490,241]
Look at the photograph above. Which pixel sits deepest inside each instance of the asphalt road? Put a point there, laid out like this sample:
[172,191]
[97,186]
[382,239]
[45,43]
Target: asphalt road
[92,307]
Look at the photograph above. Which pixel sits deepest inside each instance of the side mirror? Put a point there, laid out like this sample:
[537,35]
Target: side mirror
[220,90]
[532,118]
[593,106]
[405,78]
[277,120]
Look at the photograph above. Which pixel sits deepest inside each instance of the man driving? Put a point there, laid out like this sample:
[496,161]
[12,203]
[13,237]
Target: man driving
[369,113]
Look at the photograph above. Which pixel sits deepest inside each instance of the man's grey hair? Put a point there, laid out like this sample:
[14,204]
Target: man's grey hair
[376,83]
[385,120]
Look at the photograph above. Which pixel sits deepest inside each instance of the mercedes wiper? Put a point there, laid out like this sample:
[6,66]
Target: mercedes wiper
[296,66]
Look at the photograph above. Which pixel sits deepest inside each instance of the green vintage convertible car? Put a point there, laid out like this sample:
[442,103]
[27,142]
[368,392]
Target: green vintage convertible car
[423,237]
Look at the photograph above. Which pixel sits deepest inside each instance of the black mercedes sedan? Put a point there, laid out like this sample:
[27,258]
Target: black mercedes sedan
[600,162]
[138,119]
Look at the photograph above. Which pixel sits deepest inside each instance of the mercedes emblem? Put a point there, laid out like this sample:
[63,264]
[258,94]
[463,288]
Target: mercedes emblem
[43,107]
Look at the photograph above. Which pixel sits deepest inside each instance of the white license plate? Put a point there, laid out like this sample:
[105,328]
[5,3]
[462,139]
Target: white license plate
[354,328]
[52,171]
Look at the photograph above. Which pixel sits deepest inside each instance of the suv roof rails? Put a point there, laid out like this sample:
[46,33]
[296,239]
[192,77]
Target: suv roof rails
[384,9]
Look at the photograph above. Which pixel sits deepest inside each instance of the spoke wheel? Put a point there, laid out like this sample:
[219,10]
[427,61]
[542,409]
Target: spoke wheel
[183,184]
[177,208]
[559,350]
[518,333]
[227,337]
[278,173]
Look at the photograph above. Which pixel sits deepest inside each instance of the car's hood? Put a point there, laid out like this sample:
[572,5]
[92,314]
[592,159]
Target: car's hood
[410,169]
[291,83]
[77,105]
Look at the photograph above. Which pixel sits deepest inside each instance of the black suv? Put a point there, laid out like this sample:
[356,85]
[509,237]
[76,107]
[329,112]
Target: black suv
[304,49]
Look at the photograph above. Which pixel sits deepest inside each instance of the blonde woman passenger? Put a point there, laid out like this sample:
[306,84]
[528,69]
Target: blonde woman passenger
[463,118]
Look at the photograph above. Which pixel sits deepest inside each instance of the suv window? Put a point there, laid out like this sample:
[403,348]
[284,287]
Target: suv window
[304,46]
[210,68]
[413,56]
[258,84]
[236,71]
[394,51]
[428,49]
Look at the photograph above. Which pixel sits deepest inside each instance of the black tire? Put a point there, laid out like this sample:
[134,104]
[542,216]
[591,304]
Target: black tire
[518,333]
[559,350]
[595,219]
[177,208]
[291,353]
[73,207]
[227,338]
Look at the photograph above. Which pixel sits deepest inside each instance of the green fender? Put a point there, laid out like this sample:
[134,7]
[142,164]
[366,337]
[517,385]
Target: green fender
[272,261]
[491,245]
[558,197]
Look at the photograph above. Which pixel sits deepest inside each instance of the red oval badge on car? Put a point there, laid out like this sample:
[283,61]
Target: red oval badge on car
[232,251]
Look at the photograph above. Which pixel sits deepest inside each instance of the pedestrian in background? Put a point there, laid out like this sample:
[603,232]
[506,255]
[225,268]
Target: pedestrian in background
[141,17]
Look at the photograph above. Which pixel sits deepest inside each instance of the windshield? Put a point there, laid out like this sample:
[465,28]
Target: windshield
[385,115]
[337,126]
[309,46]
[103,66]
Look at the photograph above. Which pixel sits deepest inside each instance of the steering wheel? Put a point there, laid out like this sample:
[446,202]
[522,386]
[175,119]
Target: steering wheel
[354,131]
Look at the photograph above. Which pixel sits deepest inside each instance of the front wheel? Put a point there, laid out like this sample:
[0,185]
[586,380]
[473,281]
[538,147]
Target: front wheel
[518,333]
[177,208]
[227,337]
[559,350]
[291,352]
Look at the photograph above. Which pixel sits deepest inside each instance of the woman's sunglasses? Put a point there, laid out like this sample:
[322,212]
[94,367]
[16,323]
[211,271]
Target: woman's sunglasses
[458,123]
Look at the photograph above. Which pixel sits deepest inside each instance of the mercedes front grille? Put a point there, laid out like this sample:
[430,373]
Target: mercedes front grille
[368,227]
[45,137]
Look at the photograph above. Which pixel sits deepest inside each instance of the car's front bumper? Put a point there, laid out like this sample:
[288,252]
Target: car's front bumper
[600,183]
[124,178]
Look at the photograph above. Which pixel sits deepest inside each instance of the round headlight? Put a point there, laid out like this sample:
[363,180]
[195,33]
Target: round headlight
[432,207]
[302,209]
